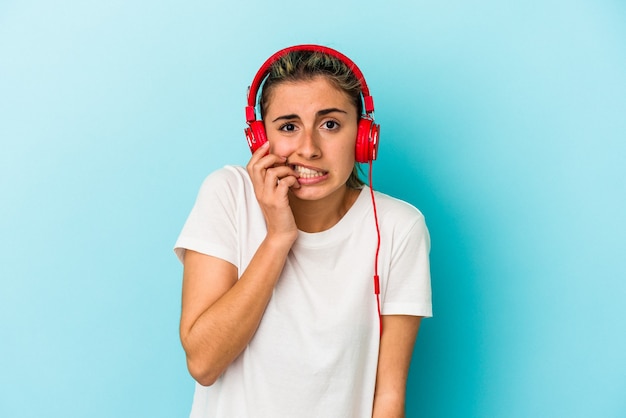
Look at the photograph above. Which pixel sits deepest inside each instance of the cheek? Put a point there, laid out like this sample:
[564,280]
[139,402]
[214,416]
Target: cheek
[347,156]
[280,148]
[277,146]
[348,150]
[349,147]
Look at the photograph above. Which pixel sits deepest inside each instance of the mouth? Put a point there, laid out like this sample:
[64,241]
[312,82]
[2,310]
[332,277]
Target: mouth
[307,173]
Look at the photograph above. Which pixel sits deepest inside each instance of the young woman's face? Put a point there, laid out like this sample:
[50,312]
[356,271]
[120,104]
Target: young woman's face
[314,125]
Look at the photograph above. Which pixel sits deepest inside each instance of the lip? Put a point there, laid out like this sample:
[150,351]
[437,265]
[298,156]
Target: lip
[312,180]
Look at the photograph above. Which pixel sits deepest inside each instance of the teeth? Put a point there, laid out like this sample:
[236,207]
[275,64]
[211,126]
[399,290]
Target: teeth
[307,173]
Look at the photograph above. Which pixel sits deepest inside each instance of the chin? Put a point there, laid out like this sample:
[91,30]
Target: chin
[313,193]
[306,194]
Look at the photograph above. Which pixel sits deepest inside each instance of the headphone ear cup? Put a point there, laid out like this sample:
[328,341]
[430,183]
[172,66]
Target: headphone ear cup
[255,135]
[366,140]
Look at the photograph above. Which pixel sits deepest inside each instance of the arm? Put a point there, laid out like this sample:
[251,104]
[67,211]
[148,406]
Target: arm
[394,358]
[220,313]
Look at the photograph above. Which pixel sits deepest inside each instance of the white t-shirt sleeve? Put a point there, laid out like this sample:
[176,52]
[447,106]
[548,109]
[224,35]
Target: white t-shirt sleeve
[408,289]
[211,226]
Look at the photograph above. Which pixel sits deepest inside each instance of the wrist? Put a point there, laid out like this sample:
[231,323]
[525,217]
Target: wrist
[281,240]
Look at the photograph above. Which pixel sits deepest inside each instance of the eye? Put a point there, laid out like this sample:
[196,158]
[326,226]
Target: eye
[287,127]
[331,125]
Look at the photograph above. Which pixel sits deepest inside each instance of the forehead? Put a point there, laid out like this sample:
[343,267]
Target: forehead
[311,93]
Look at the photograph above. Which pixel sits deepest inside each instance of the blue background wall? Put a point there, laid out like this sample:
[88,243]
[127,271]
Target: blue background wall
[503,121]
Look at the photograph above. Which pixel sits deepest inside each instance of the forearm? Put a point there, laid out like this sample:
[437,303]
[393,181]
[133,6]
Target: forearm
[394,358]
[390,405]
[224,329]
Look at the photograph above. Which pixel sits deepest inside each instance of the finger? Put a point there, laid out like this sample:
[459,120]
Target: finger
[257,168]
[262,150]
[272,178]
[281,171]
[276,176]
[258,155]
[288,182]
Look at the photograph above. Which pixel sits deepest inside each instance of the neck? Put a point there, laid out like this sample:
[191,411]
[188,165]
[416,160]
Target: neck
[320,215]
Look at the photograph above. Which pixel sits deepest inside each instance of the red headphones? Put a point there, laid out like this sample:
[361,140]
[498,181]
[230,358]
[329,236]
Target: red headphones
[368,131]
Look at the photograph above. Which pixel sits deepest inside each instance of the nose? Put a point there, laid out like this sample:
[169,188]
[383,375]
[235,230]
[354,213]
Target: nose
[309,146]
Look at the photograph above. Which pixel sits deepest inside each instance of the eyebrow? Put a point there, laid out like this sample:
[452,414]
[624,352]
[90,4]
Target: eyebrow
[322,112]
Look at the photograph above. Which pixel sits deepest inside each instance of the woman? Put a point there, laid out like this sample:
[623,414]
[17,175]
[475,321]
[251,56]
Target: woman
[279,316]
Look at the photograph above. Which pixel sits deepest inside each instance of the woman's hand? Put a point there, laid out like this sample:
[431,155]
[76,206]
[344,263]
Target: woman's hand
[272,178]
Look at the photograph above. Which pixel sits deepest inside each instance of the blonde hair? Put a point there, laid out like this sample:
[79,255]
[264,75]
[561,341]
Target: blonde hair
[306,65]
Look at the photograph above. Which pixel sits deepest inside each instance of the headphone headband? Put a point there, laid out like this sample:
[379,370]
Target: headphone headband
[368,101]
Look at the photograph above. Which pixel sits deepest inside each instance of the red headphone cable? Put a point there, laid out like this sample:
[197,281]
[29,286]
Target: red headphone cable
[376,277]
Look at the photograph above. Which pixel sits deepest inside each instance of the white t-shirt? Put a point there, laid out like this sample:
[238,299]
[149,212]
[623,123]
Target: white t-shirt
[315,352]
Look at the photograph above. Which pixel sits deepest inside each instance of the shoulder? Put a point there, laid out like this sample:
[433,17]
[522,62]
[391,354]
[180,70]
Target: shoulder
[399,220]
[229,179]
[394,210]
[229,174]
